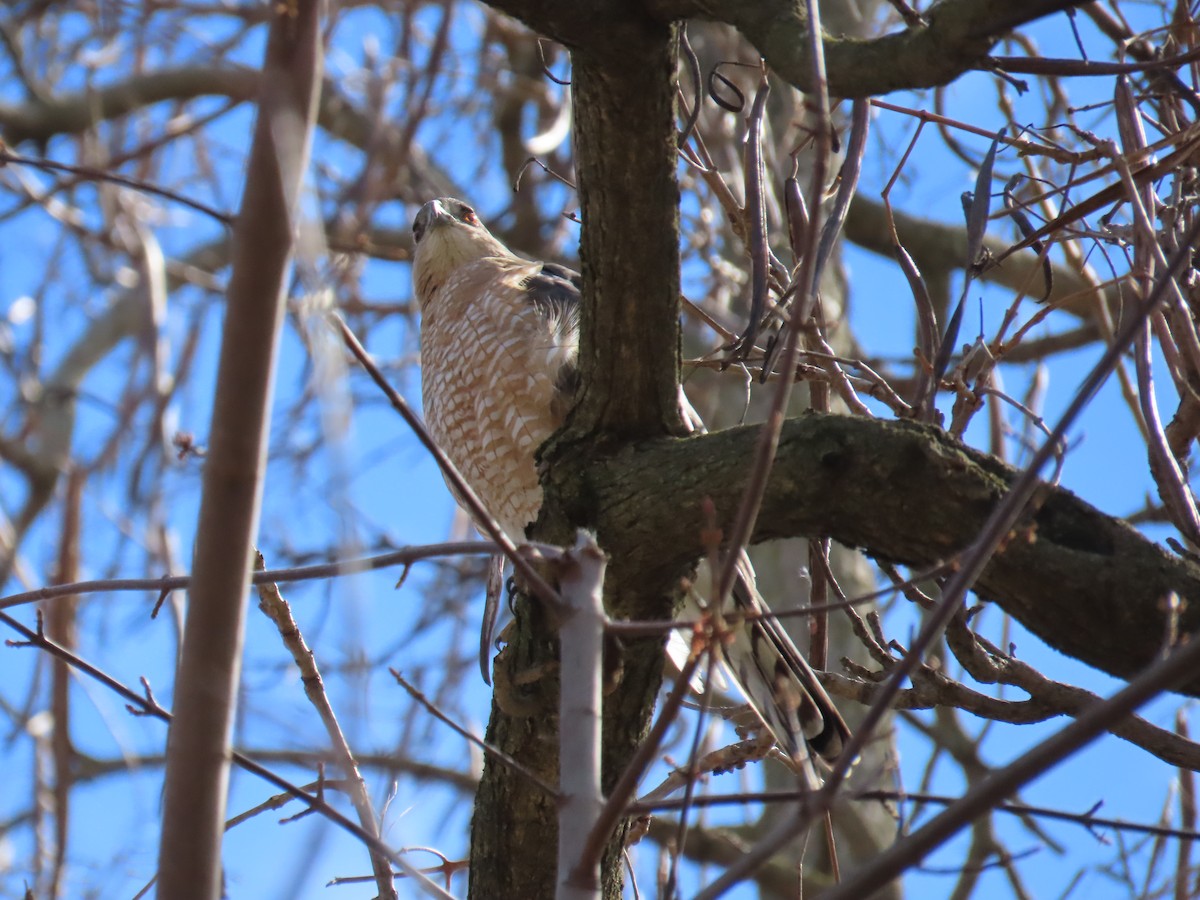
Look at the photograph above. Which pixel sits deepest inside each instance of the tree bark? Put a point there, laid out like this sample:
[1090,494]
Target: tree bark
[623,95]
[1087,584]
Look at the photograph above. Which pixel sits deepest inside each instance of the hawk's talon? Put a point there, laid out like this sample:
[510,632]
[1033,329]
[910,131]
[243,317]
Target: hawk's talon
[510,593]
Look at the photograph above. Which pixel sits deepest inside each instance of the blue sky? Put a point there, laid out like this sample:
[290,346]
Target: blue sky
[375,481]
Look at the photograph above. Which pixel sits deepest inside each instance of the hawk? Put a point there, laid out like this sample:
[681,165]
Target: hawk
[499,343]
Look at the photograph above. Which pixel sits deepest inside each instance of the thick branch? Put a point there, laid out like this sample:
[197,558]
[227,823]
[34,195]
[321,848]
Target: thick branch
[958,37]
[198,747]
[76,112]
[1087,584]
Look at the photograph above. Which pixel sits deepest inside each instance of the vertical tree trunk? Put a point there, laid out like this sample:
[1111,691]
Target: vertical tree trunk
[629,361]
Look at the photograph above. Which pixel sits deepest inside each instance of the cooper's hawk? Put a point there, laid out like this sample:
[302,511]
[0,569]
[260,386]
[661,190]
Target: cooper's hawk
[499,340]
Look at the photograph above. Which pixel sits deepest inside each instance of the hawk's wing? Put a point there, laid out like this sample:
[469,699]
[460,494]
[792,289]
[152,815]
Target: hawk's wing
[499,344]
[554,291]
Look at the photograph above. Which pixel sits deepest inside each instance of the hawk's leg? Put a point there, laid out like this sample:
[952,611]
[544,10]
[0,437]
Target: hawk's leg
[525,666]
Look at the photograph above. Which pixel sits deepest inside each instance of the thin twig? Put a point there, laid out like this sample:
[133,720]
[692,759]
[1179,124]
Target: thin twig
[402,556]
[146,705]
[1162,676]
[276,608]
[534,581]
[491,750]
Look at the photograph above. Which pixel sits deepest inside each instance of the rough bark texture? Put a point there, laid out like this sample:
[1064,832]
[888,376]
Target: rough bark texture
[1086,583]
[623,104]
[629,246]
[514,841]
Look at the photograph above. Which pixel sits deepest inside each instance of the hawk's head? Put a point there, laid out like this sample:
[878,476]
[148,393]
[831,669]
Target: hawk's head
[448,234]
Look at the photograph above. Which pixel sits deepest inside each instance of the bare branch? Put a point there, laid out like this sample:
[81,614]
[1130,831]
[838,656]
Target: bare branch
[197,774]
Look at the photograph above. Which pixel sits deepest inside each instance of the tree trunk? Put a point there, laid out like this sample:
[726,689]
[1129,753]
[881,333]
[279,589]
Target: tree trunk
[623,90]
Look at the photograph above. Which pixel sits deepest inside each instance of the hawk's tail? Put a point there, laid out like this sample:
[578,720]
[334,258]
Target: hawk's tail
[778,682]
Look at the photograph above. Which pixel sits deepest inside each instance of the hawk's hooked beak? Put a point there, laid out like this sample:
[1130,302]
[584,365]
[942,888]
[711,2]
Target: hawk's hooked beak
[431,215]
